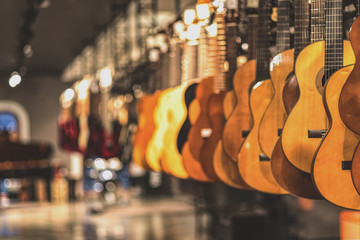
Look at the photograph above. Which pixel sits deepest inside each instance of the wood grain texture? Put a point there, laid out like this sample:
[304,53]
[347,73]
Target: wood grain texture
[290,178]
[334,183]
[355,168]
[198,119]
[215,113]
[176,114]
[240,118]
[349,102]
[257,174]
[274,117]
[309,112]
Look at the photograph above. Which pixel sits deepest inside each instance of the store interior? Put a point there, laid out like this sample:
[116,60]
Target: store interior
[180,119]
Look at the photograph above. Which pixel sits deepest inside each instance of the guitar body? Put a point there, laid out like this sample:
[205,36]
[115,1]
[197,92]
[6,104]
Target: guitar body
[225,168]
[240,118]
[309,112]
[355,168]
[338,145]
[257,174]
[156,142]
[286,175]
[274,117]
[197,116]
[146,127]
[349,102]
[171,159]
[215,113]
[187,98]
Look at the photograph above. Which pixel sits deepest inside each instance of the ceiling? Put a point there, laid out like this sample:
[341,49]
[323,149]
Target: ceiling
[61,30]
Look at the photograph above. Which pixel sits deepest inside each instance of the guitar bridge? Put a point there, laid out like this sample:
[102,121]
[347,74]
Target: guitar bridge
[316,133]
[263,157]
[346,165]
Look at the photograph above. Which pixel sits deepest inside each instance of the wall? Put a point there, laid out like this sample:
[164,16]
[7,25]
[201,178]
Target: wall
[39,95]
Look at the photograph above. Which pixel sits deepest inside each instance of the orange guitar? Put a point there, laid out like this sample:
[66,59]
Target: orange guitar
[255,170]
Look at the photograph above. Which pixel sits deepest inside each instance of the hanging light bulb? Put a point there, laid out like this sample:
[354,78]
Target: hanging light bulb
[179,27]
[193,32]
[189,16]
[105,77]
[14,79]
[82,88]
[212,30]
[203,11]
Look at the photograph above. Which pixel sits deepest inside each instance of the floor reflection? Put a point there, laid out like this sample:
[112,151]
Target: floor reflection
[158,219]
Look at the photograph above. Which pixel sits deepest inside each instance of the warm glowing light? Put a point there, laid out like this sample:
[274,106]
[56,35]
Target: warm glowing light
[193,32]
[179,27]
[203,11]
[106,175]
[241,60]
[105,78]
[206,132]
[189,16]
[82,89]
[14,79]
[150,41]
[114,164]
[212,30]
[245,46]
[69,95]
[154,55]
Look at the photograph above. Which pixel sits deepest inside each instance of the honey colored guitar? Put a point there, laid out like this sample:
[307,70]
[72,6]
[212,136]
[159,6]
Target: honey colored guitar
[256,173]
[239,121]
[308,113]
[332,162]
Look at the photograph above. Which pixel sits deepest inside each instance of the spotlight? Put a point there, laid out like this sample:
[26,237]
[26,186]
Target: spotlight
[28,51]
[14,79]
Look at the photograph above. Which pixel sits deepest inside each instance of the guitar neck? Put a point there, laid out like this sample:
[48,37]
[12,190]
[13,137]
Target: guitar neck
[263,53]
[252,36]
[302,34]
[189,64]
[232,46]
[221,52]
[203,48]
[333,37]
[317,20]
[358,7]
[176,72]
[283,26]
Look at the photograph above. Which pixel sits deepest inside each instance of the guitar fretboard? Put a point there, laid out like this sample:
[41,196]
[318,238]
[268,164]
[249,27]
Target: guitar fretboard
[302,34]
[263,53]
[358,7]
[189,65]
[283,26]
[203,68]
[252,36]
[231,44]
[221,52]
[333,37]
[317,20]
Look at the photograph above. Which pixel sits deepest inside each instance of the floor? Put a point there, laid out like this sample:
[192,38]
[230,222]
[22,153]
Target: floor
[156,219]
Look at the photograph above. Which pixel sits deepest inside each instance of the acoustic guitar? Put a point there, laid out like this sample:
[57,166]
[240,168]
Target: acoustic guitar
[225,168]
[216,99]
[280,67]
[171,158]
[307,122]
[256,171]
[239,121]
[332,161]
[293,180]
[349,102]
[198,109]
[156,143]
